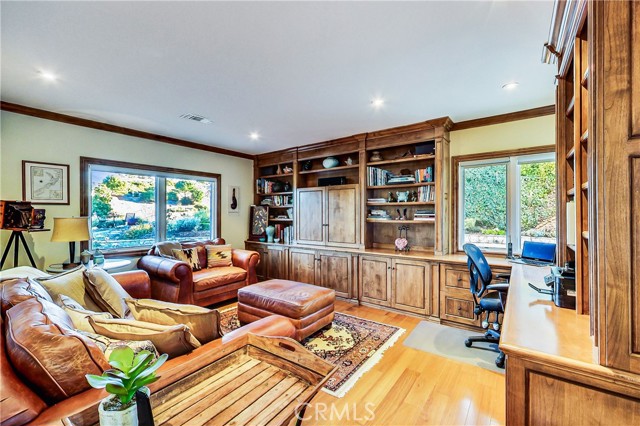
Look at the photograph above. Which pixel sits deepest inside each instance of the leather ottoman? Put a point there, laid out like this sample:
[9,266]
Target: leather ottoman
[309,307]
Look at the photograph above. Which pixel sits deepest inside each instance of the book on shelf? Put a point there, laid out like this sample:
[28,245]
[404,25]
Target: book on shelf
[402,179]
[424,175]
[377,176]
[376,200]
[426,193]
[284,232]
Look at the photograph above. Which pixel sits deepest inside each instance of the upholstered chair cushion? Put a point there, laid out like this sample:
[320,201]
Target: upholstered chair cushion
[218,256]
[189,255]
[107,292]
[70,283]
[203,322]
[80,316]
[174,340]
[48,353]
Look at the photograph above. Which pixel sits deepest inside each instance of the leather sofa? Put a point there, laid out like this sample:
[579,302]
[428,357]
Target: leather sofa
[22,402]
[174,281]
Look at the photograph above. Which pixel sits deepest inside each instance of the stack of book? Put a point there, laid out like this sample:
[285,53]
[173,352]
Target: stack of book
[426,193]
[377,177]
[378,214]
[285,233]
[424,175]
[402,179]
[376,200]
[264,186]
[424,214]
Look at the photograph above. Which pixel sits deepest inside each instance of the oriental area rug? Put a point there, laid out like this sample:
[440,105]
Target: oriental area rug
[353,344]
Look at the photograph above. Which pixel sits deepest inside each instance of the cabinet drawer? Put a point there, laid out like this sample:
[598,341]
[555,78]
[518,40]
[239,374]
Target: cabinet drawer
[456,278]
[458,310]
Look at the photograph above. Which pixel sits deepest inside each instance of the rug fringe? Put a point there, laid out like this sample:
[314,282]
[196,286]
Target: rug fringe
[368,365]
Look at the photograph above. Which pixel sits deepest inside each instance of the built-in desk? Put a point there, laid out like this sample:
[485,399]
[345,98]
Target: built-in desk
[552,376]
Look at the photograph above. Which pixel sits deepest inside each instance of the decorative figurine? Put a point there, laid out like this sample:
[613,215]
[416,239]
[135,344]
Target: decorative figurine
[375,156]
[403,196]
[392,198]
[287,187]
[279,171]
[413,197]
[402,243]
[307,165]
[287,169]
[348,161]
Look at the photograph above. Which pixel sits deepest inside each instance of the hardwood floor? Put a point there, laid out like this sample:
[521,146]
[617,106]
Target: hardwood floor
[411,387]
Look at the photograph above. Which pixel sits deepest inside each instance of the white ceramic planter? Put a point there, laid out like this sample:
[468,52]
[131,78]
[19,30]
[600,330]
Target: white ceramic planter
[128,417]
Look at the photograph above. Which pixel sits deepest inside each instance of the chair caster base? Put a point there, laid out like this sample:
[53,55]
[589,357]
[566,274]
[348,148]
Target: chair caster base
[500,360]
[468,343]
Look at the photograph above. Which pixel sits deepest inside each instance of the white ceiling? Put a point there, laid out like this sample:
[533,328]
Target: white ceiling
[296,72]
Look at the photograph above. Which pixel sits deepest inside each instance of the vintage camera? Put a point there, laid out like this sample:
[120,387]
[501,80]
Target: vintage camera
[16,214]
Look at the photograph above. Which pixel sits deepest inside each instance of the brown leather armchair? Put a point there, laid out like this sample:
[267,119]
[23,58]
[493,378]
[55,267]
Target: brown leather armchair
[174,281]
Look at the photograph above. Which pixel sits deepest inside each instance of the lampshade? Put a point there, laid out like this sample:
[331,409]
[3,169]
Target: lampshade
[68,229]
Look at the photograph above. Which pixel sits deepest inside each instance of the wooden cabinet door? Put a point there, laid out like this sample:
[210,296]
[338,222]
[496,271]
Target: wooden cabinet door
[342,216]
[309,216]
[261,268]
[375,279]
[411,286]
[302,265]
[336,272]
[277,261]
[456,301]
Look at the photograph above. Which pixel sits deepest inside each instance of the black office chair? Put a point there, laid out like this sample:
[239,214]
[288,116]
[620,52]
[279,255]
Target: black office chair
[489,298]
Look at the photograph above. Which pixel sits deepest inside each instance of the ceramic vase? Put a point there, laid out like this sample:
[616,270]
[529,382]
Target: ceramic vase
[330,162]
[270,231]
[127,417]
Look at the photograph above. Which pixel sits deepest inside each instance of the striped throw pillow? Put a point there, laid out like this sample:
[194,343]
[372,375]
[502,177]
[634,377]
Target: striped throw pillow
[218,256]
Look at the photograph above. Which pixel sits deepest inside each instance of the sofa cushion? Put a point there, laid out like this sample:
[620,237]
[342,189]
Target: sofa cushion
[18,290]
[190,256]
[70,283]
[202,253]
[79,315]
[202,322]
[216,277]
[218,255]
[107,345]
[174,340]
[107,292]
[46,351]
[18,404]
[165,248]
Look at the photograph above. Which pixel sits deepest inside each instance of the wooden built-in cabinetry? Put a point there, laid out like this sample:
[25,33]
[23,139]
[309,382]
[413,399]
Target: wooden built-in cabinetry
[323,268]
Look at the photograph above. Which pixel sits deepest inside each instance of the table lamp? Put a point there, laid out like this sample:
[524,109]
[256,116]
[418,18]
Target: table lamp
[70,229]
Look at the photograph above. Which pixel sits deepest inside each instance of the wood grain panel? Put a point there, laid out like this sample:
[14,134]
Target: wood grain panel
[336,272]
[302,265]
[277,260]
[411,286]
[505,118]
[635,70]
[343,214]
[261,268]
[458,309]
[456,277]
[563,399]
[635,252]
[375,279]
[309,215]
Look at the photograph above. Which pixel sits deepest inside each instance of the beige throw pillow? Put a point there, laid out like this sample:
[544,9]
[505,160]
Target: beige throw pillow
[173,340]
[202,322]
[189,255]
[218,256]
[80,316]
[70,283]
[107,292]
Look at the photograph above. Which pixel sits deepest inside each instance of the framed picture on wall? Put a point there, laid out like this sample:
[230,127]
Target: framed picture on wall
[45,183]
[258,221]
[234,200]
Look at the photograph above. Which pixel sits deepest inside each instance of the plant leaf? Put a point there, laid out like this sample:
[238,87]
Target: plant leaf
[140,362]
[123,356]
[144,381]
[116,389]
[100,382]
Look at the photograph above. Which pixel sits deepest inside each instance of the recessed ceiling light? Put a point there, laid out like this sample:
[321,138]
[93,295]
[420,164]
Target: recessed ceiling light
[48,76]
[254,136]
[511,85]
[377,102]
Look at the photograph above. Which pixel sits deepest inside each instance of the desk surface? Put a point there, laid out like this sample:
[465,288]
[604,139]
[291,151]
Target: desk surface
[533,324]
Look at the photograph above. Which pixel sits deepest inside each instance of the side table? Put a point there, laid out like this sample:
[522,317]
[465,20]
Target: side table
[109,264]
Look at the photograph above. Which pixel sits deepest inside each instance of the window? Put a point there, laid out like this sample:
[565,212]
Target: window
[133,206]
[507,199]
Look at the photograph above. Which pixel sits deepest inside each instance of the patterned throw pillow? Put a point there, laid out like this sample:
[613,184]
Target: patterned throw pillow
[107,345]
[189,255]
[218,256]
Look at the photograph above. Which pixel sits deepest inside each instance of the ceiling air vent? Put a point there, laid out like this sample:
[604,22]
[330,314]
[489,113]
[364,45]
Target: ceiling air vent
[196,117]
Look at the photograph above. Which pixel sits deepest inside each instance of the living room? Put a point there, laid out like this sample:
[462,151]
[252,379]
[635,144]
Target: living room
[299,113]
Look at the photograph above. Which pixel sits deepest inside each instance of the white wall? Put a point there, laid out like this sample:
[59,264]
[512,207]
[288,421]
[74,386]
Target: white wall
[34,139]
[499,137]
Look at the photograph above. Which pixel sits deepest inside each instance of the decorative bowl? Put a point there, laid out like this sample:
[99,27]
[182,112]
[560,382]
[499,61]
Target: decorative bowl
[330,162]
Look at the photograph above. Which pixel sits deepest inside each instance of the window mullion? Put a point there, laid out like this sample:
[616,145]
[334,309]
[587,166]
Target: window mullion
[513,199]
[161,209]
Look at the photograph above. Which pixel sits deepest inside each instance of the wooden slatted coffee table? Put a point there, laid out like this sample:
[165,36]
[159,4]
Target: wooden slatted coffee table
[262,381]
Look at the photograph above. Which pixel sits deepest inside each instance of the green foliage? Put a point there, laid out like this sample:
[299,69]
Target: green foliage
[185,224]
[485,196]
[117,186]
[148,195]
[101,201]
[130,373]
[494,231]
[538,193]
[172,197]
[137,232]
[204,221]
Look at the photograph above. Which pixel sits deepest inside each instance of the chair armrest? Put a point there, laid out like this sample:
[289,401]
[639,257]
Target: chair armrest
[273,325]
[247,260]
[136,283]
[166,269]
[505,277]
[501,287]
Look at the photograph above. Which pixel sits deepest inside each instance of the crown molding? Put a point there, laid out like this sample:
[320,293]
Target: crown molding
[505,118]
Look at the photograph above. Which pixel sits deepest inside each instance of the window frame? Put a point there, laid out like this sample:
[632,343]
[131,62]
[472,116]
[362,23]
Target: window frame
[86,163]
[513,159]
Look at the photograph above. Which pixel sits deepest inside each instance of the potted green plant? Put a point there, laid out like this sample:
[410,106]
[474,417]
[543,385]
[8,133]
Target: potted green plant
[130,373]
